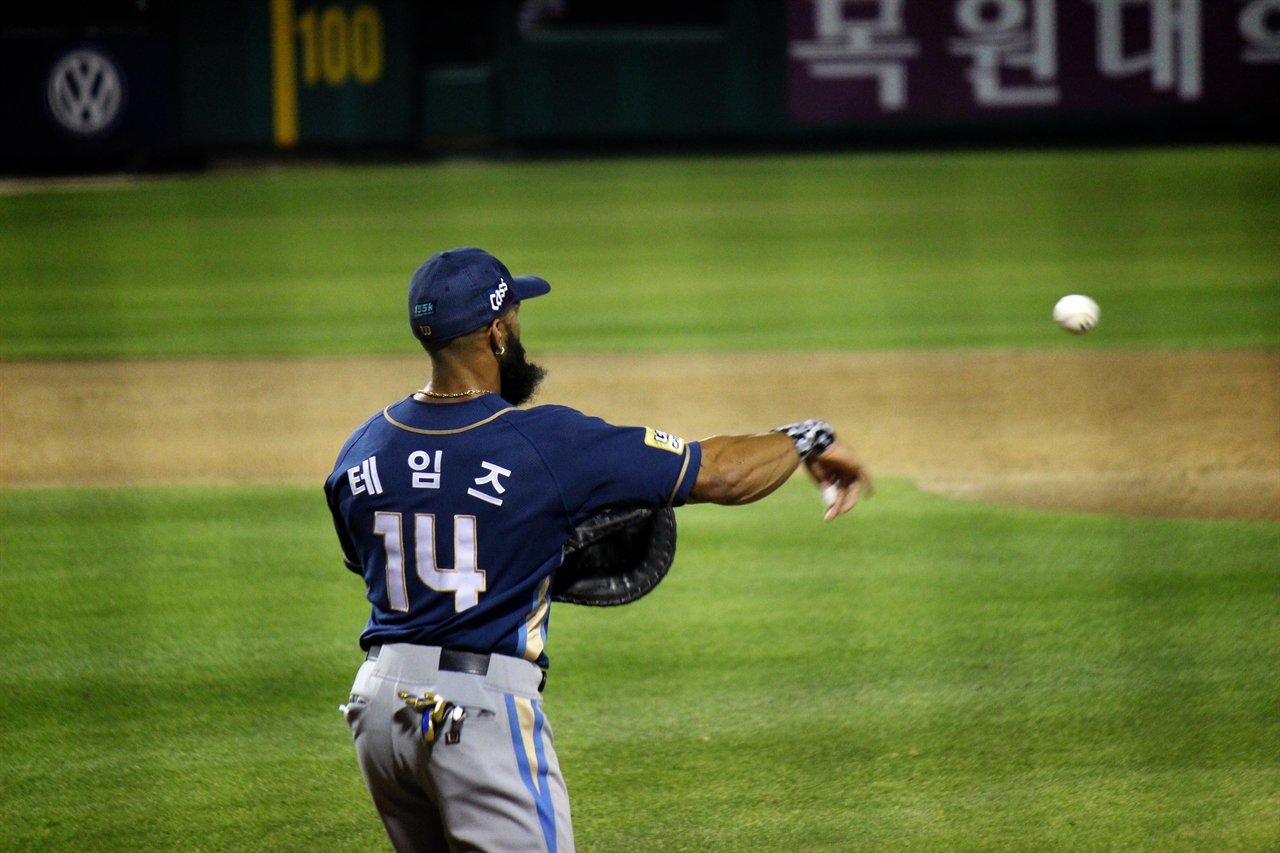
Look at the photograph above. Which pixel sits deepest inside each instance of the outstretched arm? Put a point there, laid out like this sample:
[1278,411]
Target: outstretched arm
[739,469]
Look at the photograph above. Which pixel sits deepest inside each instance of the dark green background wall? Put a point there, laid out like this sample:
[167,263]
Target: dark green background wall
[720,77]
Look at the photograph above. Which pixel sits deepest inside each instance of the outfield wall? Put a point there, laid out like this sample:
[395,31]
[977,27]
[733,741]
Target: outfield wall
[300,74]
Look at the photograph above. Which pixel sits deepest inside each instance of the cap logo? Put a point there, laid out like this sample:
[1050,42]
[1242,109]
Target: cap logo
[426,330]
[423,309]
[496,298]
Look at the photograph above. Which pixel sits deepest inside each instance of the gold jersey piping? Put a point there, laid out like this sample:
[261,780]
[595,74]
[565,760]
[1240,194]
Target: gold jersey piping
[386,413]
[684,469]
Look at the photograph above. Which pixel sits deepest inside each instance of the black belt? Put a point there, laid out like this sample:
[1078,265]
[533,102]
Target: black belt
[451,660]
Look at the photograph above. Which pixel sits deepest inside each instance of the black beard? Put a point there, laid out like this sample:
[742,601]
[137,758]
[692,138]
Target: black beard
[520,377]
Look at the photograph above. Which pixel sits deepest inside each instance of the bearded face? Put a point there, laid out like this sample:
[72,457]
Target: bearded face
[519,376]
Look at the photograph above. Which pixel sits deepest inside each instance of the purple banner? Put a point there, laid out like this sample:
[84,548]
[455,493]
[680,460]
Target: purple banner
[861,59]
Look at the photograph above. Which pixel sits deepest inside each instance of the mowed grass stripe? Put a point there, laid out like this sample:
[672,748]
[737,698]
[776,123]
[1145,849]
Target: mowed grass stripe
[924,675]
[784,252]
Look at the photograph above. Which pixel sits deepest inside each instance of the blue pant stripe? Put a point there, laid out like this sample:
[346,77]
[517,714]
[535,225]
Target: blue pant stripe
[546,811]
[542,800]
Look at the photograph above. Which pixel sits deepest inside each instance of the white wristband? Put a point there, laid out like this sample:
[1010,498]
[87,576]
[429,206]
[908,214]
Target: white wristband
[811,437]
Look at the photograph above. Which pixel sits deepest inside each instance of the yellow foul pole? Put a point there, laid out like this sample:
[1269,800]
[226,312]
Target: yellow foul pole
[284,74]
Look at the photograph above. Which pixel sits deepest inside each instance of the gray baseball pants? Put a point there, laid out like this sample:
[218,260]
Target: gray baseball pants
[498,788]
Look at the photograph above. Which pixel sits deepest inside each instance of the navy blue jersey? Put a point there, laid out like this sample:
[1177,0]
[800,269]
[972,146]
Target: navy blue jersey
[456,513]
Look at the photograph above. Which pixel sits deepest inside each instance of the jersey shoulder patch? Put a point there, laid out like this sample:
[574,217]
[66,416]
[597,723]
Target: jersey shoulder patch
[663,440]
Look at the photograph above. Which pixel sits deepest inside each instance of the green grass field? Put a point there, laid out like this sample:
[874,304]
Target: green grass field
[930,675]
[925,675]
[827,252]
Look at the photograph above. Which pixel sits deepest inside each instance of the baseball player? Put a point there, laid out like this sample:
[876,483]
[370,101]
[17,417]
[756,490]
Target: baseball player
[454,505]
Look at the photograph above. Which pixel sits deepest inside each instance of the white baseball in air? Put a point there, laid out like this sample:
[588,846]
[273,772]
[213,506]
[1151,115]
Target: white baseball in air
[1075,313]
[829,495]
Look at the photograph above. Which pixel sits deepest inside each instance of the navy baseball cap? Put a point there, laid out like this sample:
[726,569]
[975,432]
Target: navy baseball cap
[459,290]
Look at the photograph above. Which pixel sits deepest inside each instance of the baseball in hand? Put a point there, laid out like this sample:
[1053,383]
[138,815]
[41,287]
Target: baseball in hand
[1077,314]
[829,495]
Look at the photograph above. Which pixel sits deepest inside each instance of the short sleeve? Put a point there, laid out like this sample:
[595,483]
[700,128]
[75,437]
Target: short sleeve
[599,466]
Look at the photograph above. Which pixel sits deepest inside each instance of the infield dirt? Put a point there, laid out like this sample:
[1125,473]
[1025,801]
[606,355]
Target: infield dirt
[1182,433]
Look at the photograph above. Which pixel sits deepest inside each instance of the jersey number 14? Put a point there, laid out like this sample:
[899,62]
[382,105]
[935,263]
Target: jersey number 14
[464,580]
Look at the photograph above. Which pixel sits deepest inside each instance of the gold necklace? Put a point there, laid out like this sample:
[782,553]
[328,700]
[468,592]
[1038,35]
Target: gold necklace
[424,392]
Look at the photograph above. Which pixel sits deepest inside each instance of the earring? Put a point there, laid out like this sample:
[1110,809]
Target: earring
[501,350]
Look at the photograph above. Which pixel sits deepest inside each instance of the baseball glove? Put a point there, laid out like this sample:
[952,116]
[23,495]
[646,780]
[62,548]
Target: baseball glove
[616,558]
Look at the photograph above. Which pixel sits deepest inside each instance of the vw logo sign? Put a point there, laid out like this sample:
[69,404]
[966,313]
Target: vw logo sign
[85,91]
